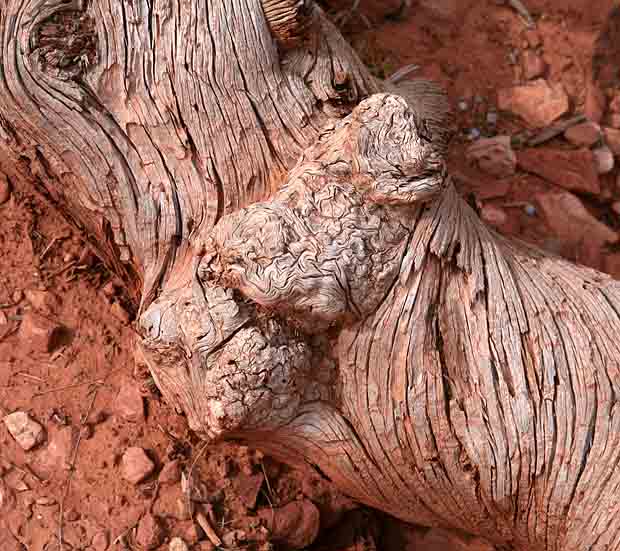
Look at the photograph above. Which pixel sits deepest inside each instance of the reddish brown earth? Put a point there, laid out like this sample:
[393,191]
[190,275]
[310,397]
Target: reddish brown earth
[66,336]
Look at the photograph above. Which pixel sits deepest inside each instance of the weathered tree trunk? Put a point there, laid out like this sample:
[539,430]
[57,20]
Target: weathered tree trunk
[306,276]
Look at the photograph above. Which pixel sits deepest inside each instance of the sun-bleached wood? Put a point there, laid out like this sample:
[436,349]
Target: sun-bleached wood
[306,276]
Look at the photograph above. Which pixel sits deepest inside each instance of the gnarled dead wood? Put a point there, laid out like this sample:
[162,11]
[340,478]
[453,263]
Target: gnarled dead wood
[476,376]
[307,277]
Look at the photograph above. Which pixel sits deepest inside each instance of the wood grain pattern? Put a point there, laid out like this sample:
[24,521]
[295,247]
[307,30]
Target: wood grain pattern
[308,279]
[478,376]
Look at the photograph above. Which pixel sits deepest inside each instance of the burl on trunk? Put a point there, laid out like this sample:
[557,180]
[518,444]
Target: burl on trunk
[306,276]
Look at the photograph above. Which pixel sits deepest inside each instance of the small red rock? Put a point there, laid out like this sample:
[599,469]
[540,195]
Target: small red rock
[494,156]
[5,189]
[150,533]
[574,170]
[136,465]
[614,120]
[532,64]
[129,403]
[57,455]
[594,105]
[585,134]
[494,216]
[178,544]
[171,502]
[234,538]
[40,333]
[170,473]
[570,219]
[604,159]
[295,525]
[100,541]
[45,301]
[26,431]
[612,137]
[573,224]
[18,484]
[538,102]
[72,515]
[192,533]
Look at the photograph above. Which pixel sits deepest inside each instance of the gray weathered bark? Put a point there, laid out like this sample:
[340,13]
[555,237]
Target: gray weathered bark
[306,275]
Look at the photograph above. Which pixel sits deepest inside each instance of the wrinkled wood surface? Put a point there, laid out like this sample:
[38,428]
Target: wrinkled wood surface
[308,278]
[477,376]
[177,113]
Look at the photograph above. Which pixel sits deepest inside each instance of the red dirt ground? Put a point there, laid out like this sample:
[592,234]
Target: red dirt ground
[473,48]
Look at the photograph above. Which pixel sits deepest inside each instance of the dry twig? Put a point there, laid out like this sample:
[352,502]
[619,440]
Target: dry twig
[186,482]
[342,17]
[402,73]
[520,8]
[204,523]
[62,270]
[555,130]
[72,470]
[28,376]
[121,538]
[98,382]
[270,494]
[48,248]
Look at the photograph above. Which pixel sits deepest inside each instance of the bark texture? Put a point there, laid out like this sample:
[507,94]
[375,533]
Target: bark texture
[307,277]
[477,378]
